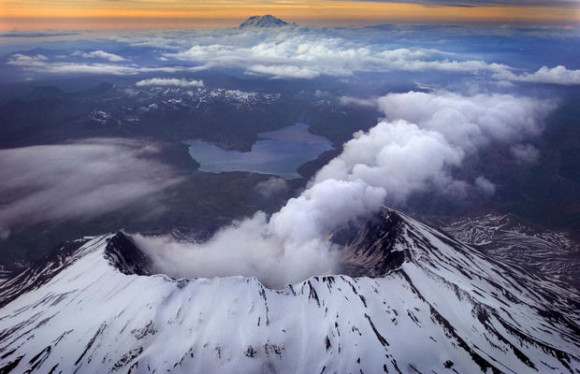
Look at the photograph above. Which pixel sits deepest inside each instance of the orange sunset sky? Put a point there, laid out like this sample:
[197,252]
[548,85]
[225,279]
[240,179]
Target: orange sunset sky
[62,14]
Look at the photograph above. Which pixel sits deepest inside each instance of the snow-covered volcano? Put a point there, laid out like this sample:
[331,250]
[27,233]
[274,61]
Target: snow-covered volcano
[262,21]
[412,300]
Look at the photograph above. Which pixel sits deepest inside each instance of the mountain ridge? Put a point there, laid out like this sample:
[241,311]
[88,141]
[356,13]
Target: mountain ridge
[441,305]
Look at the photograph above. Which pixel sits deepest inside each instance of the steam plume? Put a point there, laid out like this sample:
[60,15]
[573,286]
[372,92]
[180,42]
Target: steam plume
[424,136]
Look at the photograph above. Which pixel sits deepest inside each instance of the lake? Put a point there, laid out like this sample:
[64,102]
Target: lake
[279,152]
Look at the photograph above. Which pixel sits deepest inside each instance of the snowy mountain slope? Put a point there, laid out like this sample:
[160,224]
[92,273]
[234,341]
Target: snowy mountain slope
[434,305]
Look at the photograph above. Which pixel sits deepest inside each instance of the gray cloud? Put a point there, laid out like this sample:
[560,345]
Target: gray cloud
[525,153]
[485,185]
[81,180]
[37,34]
[272,187]
[424,136]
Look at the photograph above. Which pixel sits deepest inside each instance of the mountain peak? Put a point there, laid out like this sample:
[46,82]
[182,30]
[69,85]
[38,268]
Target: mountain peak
[263,21]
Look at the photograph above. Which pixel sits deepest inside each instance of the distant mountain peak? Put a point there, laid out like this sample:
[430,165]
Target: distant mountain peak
[263,21]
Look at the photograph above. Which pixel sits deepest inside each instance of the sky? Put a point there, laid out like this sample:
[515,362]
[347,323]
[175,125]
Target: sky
[89,14]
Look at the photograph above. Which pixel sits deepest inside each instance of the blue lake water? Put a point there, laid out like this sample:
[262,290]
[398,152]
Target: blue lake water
[278,152]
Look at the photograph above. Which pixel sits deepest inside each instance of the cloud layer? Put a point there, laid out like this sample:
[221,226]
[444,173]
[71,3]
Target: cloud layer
[53,183]
[424,137]
[297,53]
[42,64]
[306,55]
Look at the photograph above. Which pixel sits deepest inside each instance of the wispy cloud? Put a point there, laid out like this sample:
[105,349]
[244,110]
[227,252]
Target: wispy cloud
[170,82]
[19,59]
[100,55]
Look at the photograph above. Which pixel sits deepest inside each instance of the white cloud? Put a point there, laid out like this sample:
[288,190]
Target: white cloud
[79,68]
[170,82]
[79,180]
[470,121]
[24,60]
[557,75]
[285,71]
[301,53]
[426,135]
[347,100]
[102,55]
[309,53]
[398,156]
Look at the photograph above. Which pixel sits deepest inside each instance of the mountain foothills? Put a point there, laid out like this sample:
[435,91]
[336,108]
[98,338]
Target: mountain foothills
[430,227]
[412,299]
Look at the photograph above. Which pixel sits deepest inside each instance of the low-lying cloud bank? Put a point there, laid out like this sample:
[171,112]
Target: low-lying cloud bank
[42,64]
[54,183]
[306,54]
[422,139]
[294,53]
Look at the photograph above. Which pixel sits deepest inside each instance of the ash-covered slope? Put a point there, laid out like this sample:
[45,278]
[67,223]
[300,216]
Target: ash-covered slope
[506,238]
[434,305]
